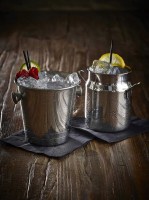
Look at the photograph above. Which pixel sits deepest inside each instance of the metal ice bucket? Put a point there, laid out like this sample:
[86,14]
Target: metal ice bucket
[107,101]
[46,112]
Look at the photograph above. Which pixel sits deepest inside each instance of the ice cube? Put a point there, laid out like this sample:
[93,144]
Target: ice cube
[100,66]
[27,82]
[116,70]
[42,74]
[57,78]
[42,83]
[48,81]
[73,79]
[106,68]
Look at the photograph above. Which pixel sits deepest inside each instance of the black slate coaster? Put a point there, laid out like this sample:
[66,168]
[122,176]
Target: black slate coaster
[136,127]
[76,140]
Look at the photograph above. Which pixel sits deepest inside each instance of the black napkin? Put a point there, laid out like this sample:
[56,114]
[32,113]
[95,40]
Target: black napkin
[79,135]
[76,139]
[136,127]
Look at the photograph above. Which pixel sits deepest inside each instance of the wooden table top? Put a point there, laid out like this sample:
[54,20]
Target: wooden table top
[69,41]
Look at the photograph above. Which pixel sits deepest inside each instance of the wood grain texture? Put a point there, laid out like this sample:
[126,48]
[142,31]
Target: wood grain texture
[69,41]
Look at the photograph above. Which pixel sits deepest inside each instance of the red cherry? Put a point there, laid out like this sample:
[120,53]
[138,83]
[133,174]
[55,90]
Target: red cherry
[22,73]
[18,75]
[33,72]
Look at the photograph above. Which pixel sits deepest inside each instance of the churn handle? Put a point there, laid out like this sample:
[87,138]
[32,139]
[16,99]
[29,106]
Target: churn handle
[135,84]
[80,74]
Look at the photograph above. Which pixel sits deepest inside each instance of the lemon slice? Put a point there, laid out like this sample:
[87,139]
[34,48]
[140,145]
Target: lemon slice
[33,64]
[116,59]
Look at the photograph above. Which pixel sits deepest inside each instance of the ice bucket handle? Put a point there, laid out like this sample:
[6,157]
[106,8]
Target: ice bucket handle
[16,97]
[79,91]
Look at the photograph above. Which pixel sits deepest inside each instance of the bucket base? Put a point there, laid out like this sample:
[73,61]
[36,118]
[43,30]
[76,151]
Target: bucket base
[50,139]
[106,127]
[108,130]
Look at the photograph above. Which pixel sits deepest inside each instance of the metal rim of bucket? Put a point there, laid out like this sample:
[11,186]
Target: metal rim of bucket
[55,89]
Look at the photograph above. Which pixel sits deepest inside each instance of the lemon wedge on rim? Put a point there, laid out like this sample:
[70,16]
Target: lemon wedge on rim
[33,64]
[116,59]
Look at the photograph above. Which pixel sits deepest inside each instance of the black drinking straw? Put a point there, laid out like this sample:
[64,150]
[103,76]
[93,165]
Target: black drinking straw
[27,60]
[29,63]
[111,51]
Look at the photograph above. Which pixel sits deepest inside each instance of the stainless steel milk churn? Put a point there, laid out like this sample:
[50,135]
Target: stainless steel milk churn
[108,101]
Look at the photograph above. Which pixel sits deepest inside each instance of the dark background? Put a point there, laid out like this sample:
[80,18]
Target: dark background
[82,5]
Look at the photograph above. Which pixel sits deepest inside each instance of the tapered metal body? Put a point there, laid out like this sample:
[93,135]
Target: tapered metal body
[47,113]
[108,101]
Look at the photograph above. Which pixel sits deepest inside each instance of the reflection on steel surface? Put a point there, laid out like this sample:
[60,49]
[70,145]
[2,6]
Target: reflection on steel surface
[108,101]
[47,114]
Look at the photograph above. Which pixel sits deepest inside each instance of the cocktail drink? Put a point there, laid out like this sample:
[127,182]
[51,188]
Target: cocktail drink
[108,94]
[47,101]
